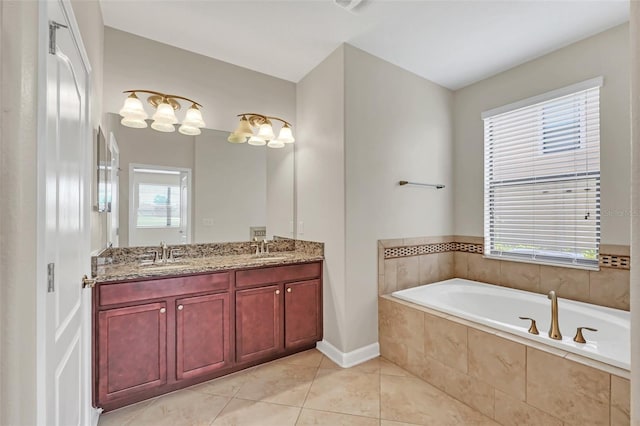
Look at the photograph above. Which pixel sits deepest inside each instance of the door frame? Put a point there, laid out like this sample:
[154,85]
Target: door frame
[91,414]
[131,218]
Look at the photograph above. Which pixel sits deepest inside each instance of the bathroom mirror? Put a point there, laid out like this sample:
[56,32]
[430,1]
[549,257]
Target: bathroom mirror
[198,189]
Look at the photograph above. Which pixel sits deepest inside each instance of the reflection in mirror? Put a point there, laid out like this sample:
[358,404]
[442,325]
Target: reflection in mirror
[222,191]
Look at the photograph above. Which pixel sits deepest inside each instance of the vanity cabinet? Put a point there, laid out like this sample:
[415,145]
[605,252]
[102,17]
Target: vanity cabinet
[157,335]
[133,346]
[302,313]
[202,335]
[258,323]
[280,316]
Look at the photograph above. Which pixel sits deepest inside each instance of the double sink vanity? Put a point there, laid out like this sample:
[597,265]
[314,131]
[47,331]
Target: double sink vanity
[216,309]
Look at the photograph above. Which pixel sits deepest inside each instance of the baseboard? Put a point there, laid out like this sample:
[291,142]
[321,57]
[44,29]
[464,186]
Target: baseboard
[349,359]
[95,415]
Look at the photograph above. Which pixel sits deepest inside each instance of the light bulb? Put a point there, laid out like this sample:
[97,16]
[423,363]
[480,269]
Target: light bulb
[275,144]
[163,127]
[286,135]
[236,138]
[244,128]
[193,117]
[257,141]
[133,108]
[266,131]
[189,130]
[165,114]
[136,123]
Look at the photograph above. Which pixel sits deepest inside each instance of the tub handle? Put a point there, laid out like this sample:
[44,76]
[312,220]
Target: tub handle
[532,329]
[579,338]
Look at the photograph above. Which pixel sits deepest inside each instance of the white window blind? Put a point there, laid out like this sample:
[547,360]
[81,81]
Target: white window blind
[542,178]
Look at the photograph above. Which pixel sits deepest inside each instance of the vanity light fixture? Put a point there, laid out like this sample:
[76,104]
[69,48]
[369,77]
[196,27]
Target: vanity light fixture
[164,118]
[265,135]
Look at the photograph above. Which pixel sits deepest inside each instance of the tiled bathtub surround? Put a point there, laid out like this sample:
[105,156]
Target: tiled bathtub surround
[406,263]
[509,379]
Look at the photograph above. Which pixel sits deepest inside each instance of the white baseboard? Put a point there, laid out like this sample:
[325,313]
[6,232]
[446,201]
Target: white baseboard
[348,359]
[95,415]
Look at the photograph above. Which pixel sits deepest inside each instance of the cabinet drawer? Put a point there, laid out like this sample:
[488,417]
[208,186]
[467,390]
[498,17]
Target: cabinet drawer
[277,274]
[110,294]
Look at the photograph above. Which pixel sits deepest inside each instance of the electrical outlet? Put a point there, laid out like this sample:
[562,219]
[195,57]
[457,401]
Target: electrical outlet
[207,221]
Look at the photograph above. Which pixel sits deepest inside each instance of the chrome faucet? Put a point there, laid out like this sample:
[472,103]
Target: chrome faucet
[262,247]
[164,250]
[554,330]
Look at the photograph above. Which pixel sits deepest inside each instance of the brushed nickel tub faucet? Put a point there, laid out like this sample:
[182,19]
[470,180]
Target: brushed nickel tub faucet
[554,330]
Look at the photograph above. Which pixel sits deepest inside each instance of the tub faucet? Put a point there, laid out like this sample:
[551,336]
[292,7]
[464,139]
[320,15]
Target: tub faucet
[554,330]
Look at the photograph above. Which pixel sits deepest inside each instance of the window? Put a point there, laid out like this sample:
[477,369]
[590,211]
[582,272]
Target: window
[542,178]
[158,206]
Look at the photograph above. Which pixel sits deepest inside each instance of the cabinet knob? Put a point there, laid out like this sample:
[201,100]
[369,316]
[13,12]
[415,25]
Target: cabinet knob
[277,291]
[180,307]
[289,290]
[163,310]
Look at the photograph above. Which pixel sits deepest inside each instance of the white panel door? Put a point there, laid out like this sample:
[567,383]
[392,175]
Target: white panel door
[66,245]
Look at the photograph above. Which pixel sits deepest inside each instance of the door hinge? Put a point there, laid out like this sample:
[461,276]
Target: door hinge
[51,277]
[88,282]
[53,27]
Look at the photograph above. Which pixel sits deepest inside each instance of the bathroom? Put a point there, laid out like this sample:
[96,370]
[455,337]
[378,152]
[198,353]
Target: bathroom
[362,122]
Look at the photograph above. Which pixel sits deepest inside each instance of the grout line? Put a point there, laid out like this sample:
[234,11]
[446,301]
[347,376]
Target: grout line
[221,411]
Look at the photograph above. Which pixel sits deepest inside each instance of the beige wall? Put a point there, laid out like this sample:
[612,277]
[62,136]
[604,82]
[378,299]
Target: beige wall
[89,17]
[398,127]
[224,90]
[320,189]
[18,239]
[635,204]
[605,54]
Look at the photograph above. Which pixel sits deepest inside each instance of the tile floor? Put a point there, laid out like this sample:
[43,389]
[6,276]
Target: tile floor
[304,389]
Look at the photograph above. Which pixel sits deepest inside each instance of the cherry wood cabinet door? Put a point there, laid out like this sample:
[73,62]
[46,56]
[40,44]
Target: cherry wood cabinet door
[202,335]
[258,323]
[133,350]
[302,313]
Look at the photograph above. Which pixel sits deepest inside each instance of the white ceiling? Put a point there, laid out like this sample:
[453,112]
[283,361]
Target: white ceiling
[453,43]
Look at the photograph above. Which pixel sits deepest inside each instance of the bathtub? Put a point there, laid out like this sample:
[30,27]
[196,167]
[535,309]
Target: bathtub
[499,308]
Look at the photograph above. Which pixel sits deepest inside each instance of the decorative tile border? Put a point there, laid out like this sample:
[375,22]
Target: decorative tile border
[406,251]
[606,260]
[614,261]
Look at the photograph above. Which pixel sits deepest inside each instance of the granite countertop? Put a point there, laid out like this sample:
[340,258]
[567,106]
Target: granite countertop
[134,270]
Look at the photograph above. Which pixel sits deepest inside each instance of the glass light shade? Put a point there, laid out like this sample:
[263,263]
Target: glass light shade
[164,114]
[163,127]
[266,132]
[257,141]
[193,117]
[133,108]
[136,123]
[286,135]
[275,144]
[244,128]
[236,138]
[189,130]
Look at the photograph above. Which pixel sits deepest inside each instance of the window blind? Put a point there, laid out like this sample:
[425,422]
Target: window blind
[542,178]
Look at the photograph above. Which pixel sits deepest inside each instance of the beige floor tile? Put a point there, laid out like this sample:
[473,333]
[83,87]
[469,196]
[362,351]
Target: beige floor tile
[324,418]
[279,383]
[408,399]
[392,423]
[345,391]
[224,386]
[311,358]
[123,416]
[182,408]
[390,369]
[240,412]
